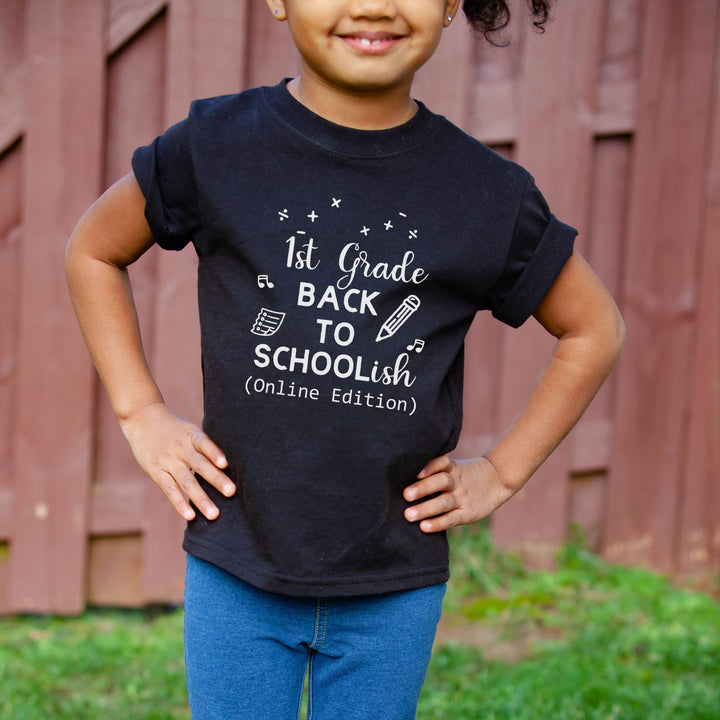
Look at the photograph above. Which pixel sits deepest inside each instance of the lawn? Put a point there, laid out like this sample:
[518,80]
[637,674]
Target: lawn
[590,641]
[587,641]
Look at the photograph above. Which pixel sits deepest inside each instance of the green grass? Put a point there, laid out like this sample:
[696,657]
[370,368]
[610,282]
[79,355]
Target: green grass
[587,641]
[594,641]
[106,664]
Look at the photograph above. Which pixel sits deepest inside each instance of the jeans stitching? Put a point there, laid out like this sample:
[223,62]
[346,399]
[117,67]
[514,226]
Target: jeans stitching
[320,623]
[324,632]
[317,611]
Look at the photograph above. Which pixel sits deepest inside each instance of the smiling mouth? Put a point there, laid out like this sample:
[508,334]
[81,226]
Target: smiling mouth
[368,43]
[371,42]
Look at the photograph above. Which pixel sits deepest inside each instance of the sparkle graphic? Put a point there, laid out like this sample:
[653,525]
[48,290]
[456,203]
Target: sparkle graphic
[283,214]
[336,202]
[313,216]
[389,225]
[365,230]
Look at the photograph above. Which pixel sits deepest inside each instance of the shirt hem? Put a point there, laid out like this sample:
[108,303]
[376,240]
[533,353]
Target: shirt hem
[308,587]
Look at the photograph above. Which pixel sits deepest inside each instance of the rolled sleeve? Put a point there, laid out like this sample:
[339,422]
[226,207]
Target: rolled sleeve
[540,247]
[164,171]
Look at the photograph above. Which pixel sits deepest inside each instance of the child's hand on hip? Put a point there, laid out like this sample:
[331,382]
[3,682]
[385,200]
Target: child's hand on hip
[171,450]
[460,492]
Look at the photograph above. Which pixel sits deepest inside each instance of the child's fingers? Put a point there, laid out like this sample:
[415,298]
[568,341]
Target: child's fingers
[179,484]
[167,483]
[199,464]
[444,522]
[436,465]
[172,450]
[440,482]
[190,488]
[207,460]
[203,444]
[439,505]
[461,492]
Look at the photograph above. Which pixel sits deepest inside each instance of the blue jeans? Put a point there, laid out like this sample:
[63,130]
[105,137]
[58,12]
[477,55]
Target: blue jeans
[247,651]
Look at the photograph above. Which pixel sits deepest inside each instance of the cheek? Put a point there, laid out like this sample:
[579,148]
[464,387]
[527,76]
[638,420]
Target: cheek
[427,45]
[308,28]
[310,46]
[428,29]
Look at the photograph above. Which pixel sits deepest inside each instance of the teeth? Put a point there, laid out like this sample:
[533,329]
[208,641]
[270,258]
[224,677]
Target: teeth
[368,42]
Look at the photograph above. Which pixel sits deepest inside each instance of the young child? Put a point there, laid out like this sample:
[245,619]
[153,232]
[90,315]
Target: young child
[346,238]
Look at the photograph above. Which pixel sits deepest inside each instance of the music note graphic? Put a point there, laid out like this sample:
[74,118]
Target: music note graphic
[264,282]
[267,322]
[417,346]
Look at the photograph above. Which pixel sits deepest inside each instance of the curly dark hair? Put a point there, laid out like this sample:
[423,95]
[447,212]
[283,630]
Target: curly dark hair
[488,17]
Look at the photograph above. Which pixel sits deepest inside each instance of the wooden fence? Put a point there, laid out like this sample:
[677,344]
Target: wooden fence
[615,110]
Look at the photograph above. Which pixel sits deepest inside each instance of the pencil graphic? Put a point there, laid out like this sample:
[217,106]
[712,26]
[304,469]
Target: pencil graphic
[408,306]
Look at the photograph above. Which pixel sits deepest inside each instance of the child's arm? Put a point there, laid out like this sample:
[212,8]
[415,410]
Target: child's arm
[111,235]
[590,333]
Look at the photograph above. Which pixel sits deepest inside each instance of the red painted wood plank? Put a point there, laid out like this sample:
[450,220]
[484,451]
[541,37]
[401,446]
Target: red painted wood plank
[61,177]
[128,17]
[12,71]
[609,207]
[10,246]
[115,571]
[496,90]
[7,503]
[555,144]
[698,548]
[660,290]
[10,256]
[116,508]
[621,40]
[206,51]
[617,90]
[12,106]
[591,445]
[135,103]
[587,507]
[12,28]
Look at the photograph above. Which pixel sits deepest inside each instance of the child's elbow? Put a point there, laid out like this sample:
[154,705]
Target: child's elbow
[615,335]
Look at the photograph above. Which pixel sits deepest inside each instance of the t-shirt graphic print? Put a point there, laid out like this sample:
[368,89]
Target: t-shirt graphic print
[345,311]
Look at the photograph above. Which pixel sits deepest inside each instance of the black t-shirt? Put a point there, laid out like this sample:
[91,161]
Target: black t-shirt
[339,271]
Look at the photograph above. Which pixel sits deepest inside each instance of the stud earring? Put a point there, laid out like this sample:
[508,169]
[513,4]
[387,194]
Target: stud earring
[449,18]
[277,12]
